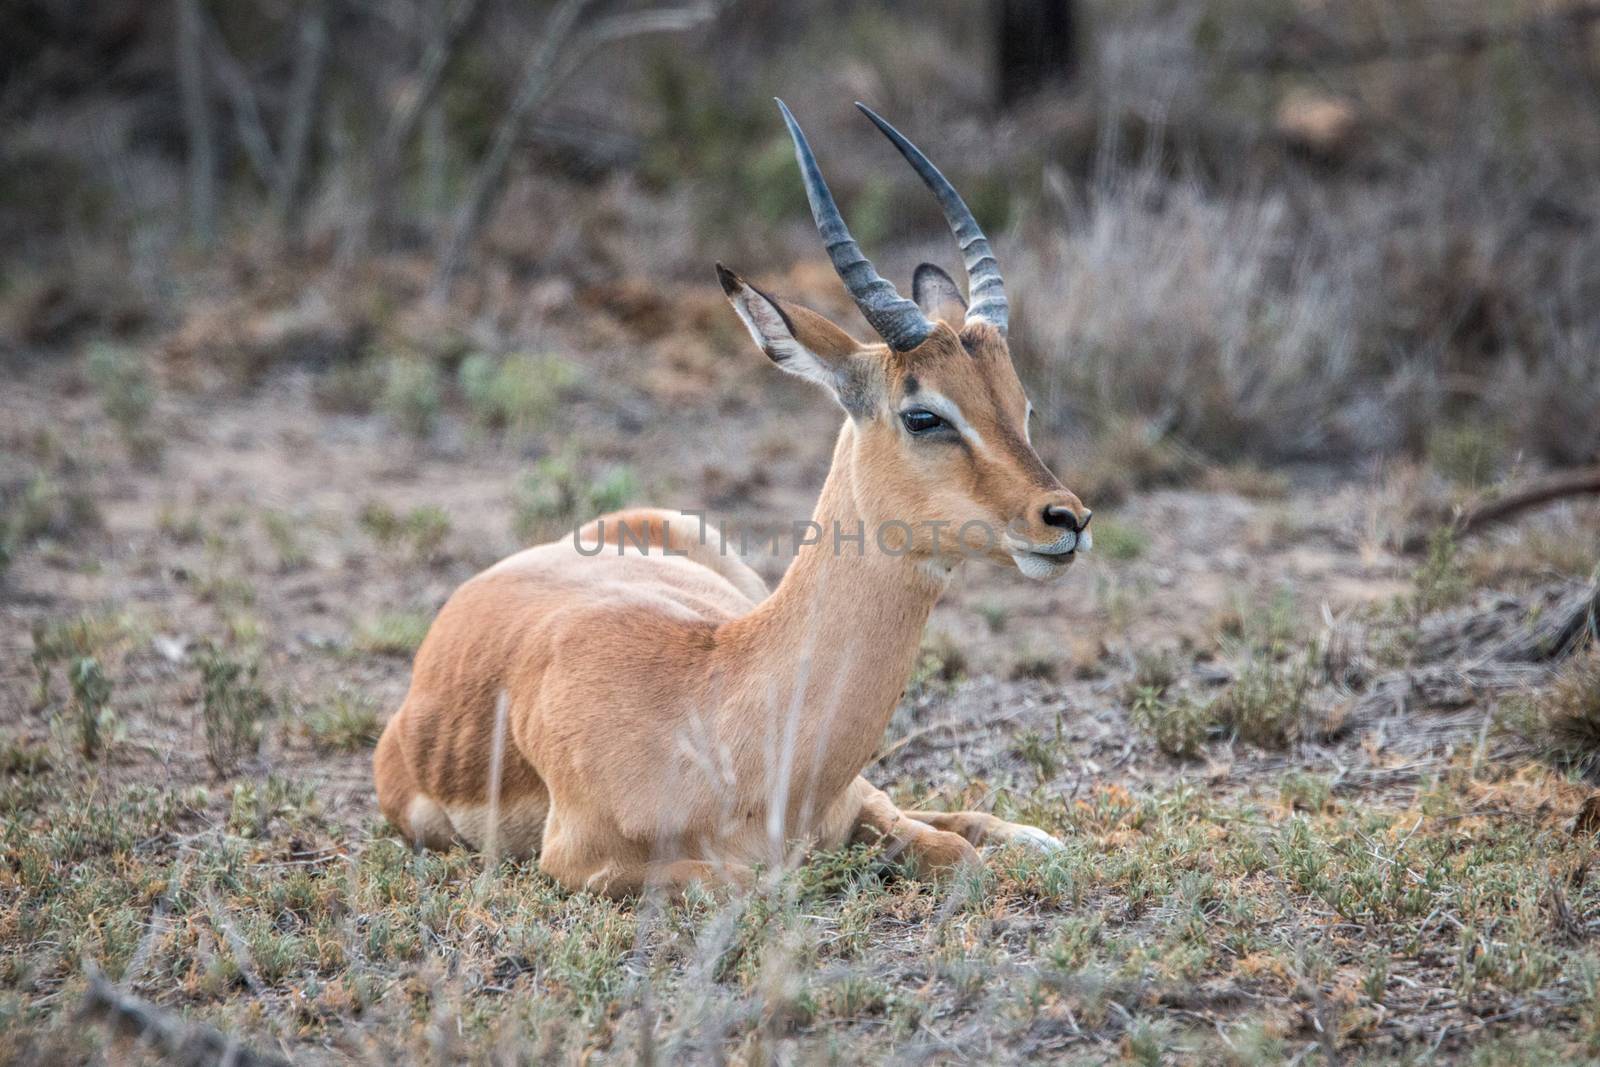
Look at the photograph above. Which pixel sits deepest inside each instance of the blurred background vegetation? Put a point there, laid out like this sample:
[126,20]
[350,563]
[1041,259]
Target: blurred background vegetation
[1264,229]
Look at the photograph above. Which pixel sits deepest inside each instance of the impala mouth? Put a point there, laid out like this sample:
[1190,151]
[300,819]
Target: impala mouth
[1041,562]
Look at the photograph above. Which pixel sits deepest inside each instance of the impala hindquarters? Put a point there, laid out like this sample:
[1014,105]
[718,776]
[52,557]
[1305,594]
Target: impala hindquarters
[630,705]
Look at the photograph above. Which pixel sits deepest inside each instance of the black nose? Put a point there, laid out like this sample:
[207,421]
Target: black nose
[1054,516]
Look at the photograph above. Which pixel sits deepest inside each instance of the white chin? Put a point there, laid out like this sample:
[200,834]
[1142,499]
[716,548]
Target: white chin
[1040,567]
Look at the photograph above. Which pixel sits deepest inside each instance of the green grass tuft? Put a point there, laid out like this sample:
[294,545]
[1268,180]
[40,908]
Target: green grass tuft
[93,718]
[393,633]
[345,722]
[411,396]
[558,493]
[1269,703]
[1178,725]
[1118,541]
[1561,725]
[420,532]
[233,709]
[128,396]
[517,395]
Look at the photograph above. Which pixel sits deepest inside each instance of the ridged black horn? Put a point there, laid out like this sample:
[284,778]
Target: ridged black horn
[986,290]
[897,320]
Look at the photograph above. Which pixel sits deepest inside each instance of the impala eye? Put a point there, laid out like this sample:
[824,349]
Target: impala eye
[918,420]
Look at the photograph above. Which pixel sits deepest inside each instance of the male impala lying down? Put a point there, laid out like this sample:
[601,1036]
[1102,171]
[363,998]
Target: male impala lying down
[659,718]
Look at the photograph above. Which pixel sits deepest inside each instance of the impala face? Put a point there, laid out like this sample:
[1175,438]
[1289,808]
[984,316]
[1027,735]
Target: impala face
[940,419]
[958,420]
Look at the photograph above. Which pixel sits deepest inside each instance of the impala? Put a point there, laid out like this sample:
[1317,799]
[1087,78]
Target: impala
[635,708]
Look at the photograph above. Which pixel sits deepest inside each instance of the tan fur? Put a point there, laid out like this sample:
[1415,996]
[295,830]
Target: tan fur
[667,720]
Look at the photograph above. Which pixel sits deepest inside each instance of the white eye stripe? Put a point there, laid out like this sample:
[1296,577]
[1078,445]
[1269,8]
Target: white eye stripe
[946,409]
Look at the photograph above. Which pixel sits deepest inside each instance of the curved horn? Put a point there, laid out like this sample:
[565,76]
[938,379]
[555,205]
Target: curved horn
[986,290]
[898,320]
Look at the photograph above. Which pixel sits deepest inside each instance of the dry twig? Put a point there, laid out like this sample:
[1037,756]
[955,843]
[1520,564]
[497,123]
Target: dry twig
[1508,506]
[181,1042]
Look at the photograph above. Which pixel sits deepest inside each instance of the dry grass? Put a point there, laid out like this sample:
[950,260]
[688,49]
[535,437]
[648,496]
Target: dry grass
[1562,723]
[1190,927]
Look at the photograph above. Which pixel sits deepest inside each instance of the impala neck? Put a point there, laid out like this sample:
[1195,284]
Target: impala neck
[825,658]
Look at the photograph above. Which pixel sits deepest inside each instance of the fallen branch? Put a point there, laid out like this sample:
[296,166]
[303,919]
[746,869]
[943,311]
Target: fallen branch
[1493,648]
[178,1040]
[1508,506]
[1536,627]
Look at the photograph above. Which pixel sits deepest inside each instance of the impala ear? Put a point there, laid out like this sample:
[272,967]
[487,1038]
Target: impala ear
[803,343]
[937,294]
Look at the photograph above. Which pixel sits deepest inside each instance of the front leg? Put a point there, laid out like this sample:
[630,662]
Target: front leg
[597,862]
[982,829]
[927,849]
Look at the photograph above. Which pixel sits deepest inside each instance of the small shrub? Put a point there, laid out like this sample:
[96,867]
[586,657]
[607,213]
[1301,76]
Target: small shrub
[1041,752]
[411,397]
[1156,671]
[556,495]
[1033,663]
[421,532]
[234,709]
[70,641]
[23,758]
[517,394]
[994,614]
[45,508]
[381,522]
[394,633]
[1268,704]
[81,635]
[1179,726]
[183,528]
[1561,725]
[1441,581]
[254,805]
[127,395]
[612,490]
[1119,542]
[940,664]
[1468,453]
[347,722]
[93,718]
[283,532]
[1300,791]
[426,529]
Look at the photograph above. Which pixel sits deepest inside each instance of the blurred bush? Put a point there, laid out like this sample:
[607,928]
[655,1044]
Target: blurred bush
[1255,227]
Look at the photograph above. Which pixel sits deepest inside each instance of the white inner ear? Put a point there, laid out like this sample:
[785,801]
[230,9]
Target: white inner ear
[766,325]
[939,294]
